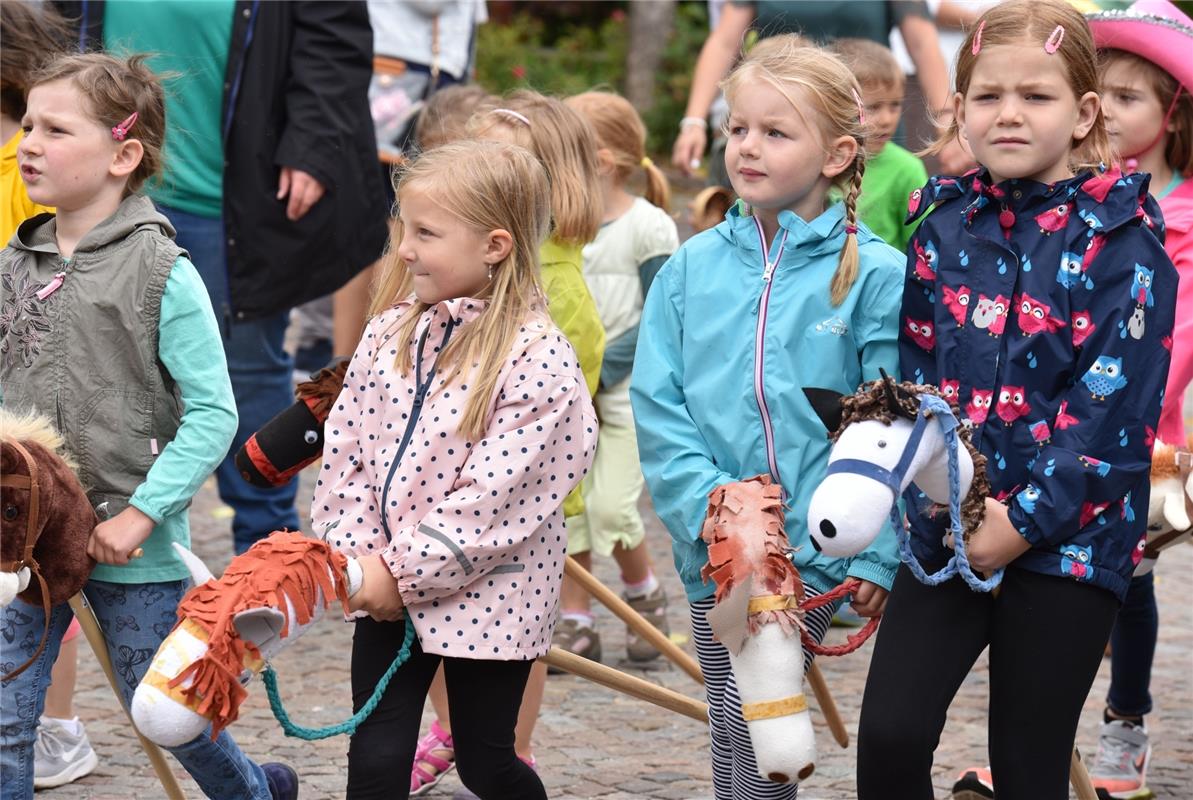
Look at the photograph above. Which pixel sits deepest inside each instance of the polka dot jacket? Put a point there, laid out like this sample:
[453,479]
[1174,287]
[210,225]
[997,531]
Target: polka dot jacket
[473,530]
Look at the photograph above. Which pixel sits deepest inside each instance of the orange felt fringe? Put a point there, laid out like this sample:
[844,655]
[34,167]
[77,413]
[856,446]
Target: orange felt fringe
[322,389]
[283,564]
[738,512]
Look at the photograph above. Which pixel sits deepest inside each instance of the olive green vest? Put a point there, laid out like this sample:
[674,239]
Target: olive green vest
[86,355]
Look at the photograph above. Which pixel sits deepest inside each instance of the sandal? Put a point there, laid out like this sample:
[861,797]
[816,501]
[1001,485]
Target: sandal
[434,757]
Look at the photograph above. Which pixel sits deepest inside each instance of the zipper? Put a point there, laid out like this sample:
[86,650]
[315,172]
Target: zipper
[55,282]
[420,394]
[768,270]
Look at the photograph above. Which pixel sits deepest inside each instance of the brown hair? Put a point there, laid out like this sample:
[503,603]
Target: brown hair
[1178,153]
[488,186]
[708,207]
[32,35]
[566,145]
[788,63]
[1034,21]
[870,62]
[444,118]
[113,88]
[620,130]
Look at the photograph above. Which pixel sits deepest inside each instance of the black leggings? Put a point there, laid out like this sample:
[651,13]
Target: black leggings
[1046,636]
[484,697]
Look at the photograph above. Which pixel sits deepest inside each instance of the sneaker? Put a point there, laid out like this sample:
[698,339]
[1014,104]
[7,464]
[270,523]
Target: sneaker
[974,783]
[653,607]
[577,638]
[464,793]
[59,756]
[282,779]
[434,757]
[1120,769]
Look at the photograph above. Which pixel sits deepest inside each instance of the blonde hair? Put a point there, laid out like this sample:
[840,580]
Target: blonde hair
[1178,153]
[872,64]
[620,130]
[787,62]
[1033,22]
[565,144]
[487,186]
[445,116]
[113,88]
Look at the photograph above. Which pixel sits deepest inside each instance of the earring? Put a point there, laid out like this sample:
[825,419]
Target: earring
[490,272]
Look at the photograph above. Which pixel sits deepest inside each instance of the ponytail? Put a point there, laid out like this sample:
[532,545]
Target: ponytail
[848,264]
[658,190]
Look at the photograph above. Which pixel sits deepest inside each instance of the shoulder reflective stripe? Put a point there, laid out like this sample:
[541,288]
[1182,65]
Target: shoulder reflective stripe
[503,568]
[440,536]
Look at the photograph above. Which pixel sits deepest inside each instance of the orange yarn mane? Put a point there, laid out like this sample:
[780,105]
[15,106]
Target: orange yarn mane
[745,537]
[286,564]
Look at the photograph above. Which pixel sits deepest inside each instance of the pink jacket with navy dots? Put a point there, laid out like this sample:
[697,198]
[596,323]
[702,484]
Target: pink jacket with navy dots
[472,530]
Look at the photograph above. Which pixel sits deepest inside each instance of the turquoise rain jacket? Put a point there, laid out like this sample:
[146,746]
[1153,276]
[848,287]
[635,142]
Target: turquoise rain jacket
[731,333]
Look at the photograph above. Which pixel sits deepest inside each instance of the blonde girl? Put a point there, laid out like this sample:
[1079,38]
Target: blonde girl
[565,145]
[637,235]
[97,295]
[1038,293]
[463,423]
[789,291]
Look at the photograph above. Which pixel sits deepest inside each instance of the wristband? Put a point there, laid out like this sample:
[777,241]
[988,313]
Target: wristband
[690,121]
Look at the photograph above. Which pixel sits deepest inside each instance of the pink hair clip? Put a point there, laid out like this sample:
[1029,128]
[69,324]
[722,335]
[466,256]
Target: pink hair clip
[977,38]
[509,112]
[861,108]
[121,130]
[850,229]
[1054,39]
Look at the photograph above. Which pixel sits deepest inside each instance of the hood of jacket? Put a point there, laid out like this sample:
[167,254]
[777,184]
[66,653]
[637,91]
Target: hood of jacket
[39,234]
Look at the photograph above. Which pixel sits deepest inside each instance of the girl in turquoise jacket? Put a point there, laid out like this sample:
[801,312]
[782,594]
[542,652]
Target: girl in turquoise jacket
[788,292]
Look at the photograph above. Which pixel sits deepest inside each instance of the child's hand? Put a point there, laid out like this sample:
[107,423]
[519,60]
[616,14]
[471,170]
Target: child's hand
[869,600]
[378,594]
[996,543]
[113,541]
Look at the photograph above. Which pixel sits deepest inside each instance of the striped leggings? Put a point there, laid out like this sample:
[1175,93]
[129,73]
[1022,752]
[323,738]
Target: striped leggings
[734,772]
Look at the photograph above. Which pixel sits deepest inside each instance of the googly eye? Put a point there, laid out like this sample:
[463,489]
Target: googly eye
[310,437]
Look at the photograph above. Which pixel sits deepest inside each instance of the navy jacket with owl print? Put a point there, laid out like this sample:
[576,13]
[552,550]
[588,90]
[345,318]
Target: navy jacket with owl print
[1045,313]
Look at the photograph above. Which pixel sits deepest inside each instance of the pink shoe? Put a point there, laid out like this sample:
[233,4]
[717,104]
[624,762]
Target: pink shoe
[434,758]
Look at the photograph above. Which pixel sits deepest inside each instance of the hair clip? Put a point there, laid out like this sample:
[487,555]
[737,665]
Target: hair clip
[977,39]
[861,108]
[850,229]
[509,112]
[646,163]
[1054,39]
[121,130]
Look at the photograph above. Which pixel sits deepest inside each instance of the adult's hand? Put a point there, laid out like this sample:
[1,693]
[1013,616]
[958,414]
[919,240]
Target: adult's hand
[955,158]
[689,148]
[304,191]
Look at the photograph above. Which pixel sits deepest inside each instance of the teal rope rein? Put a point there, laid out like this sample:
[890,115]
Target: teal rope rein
[348,726]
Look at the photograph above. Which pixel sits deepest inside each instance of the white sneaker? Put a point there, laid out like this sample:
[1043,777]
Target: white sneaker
[59,756]
[1120,769]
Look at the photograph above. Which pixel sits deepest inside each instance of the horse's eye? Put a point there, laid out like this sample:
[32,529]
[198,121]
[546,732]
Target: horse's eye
[11,512]
[882,442]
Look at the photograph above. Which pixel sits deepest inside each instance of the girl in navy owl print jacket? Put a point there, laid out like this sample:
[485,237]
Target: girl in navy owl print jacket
[1039,298]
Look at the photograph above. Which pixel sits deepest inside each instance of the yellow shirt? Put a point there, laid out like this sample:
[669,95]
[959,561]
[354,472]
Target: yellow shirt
[18,207]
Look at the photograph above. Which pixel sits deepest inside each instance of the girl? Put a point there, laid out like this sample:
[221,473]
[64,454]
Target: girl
[787,292]
[463,423]
[637,235]
[1146,82]
[1059,368]
[99,296]
[565,145]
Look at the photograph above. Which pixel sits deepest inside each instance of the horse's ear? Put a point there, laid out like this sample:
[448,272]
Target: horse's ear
[827,405]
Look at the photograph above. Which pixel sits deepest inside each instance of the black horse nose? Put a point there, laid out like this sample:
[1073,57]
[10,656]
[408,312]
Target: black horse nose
[815,544]
[828,529]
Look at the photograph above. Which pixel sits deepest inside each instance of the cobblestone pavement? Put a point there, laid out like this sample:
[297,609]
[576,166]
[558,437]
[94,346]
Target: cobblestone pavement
[592,743]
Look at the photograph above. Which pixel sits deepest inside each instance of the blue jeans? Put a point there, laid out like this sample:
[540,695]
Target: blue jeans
[135,618]
[261,371]
[1132,648]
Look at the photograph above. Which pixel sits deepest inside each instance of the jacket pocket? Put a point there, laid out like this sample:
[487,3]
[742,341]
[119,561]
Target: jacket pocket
[116,440]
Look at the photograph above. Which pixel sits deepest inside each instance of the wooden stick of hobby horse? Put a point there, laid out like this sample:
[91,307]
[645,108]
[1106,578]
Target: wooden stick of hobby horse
[626,684]
[95,637]
[1079,777]
[630,617]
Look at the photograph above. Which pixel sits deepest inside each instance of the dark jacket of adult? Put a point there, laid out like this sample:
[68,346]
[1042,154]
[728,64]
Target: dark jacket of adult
[296,95]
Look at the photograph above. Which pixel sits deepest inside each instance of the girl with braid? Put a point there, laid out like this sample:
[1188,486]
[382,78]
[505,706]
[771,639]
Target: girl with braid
[789,291]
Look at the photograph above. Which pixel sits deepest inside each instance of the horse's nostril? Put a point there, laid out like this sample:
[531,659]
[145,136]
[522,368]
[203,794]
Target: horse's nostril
[815,544]
[828,528]
[778,777]
[806,772]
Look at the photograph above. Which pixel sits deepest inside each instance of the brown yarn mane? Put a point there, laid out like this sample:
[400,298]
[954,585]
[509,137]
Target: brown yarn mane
[285,564]
[874,401]
[323,388]
[738,512]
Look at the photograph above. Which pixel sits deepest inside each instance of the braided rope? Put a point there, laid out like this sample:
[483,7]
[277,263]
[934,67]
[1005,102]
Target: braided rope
[349,725]
[853,641]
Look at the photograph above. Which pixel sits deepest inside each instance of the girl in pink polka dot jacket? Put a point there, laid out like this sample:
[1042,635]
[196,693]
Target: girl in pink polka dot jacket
[463,423]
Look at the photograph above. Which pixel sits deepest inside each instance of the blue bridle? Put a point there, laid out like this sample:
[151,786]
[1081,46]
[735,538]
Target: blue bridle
[931,408]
